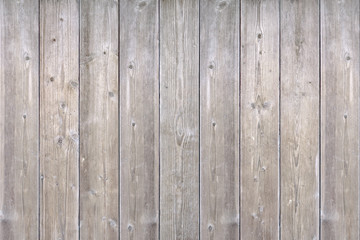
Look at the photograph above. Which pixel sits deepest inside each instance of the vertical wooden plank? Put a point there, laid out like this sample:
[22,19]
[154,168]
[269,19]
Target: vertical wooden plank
[99,153]
[259,119]
[340,119]
[219,119]
[299,119]
[59,133]
[19,119]
[139,127]
[179,119]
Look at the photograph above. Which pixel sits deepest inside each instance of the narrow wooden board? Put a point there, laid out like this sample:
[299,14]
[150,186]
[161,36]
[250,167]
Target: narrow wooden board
[299,119]
[99,142]
[179,119]
[219,119]
[19,119]
[340,119]
[259,119]
[59,119]
[139,119]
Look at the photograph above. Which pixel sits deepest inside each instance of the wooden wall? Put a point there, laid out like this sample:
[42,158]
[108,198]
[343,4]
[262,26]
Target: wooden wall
[179,119]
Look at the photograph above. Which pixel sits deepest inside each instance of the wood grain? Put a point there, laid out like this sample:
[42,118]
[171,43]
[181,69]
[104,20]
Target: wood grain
[19,119]
[99,148]
[179,119]
[340,119]
[299,119]
[219,119]
[139,119]
[259,119]
[59,133]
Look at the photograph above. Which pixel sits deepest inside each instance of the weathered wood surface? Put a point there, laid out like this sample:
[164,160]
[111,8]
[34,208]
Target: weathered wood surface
[259,119]
[219,119]
[299,119]
[59,121]
[179,119]
[19,119]
[139,119]
[340,119]
[99,142]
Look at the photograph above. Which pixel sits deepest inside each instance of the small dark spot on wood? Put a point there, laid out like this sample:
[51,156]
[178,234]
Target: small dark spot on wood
[211,66]
[54,39]
[24,116]
[60,140]
[131,66]
[348,58]
[111,94]
[74,84]
[133,123]
[104,52]
[222,5]
[61,19]
[62,105]
[210,228]
[130,227]
[52,79]
[345,115]
[41,177]
[27,58]
[261,52]
[142,4]
[214,123]
[259,36]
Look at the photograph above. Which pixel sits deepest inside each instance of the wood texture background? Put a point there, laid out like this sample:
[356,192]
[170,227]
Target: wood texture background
[179,119]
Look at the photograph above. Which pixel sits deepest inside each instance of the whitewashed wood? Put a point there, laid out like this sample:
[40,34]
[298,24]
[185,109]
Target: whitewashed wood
[300,119]
[139,119]
[59,121]
[219,119]
[19,119]
[179,119]
[259,119]
[340,119]
[99,152]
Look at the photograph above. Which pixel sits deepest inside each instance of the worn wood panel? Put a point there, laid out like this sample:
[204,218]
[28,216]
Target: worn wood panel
[139,119]
[219,119]
[340,119]
[19,119]
[259,119]
[59,138]
[299,119]
[99,142]
[179,119]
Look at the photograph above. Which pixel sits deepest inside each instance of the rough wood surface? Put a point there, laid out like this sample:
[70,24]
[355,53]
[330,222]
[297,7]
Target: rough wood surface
[219,119]
[340,119]
[179,119]
[299,119]
[99,148]
[259,119]
[19,119]
[59,121]
[139,119]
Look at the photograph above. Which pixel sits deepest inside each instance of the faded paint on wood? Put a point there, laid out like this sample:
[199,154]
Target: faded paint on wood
[99,148]
[219,119]
[179,119]
[299,119]
[19,119]
[59,121]
[259,119]
[340,119]
[139,119]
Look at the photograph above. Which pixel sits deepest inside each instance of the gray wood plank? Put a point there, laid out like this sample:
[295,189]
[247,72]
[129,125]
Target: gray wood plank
[259,119]
[179,119]
[299,119]
[139,119]
[19,119]
[99,142]
[219,119]
[340,119]
[59,119]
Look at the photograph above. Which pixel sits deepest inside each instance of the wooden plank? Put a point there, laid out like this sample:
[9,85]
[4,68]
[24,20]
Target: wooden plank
[139,126]
[99,141]
[179,118]
[299,119]
[259,119]
[340,119]
[219,119]
[59,133]
[19,119]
